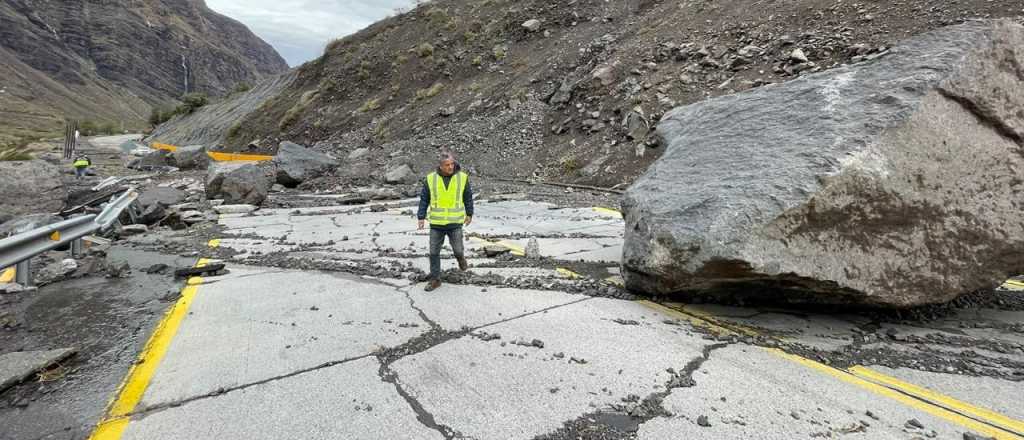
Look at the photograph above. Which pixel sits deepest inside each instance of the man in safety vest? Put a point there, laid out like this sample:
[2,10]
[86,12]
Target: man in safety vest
[81,164]
[446,202]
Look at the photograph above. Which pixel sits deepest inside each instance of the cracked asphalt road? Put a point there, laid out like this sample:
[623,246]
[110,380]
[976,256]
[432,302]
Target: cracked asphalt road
[319,331]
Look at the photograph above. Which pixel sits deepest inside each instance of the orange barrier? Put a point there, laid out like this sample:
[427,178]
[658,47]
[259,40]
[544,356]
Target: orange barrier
[218,156]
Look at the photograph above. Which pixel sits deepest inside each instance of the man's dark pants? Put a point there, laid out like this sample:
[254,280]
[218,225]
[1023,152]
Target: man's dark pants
[437,236]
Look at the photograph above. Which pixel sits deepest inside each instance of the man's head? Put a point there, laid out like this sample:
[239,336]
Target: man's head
[447,164]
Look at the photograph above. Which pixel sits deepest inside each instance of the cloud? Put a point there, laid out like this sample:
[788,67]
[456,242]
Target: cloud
[299,29]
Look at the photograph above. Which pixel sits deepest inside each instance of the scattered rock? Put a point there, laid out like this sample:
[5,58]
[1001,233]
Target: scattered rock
[913,424]
[703,421]
[358,153]
[798,56]
[399,174]
[532,25]
[236,184]
[296,163]
[119,269]
[190,157]
[829,182]
[973,436]
[494,250]
[161,195]
[532,248]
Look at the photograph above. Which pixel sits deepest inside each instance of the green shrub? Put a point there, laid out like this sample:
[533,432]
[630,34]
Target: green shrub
[293,113]
[478,60]
[241,87]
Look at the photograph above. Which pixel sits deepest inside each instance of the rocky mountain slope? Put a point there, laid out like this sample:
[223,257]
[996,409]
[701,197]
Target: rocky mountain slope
[567,90]
[112,61]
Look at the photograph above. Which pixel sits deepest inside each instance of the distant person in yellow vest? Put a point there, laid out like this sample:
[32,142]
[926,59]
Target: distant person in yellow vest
[81,165]
[446,202]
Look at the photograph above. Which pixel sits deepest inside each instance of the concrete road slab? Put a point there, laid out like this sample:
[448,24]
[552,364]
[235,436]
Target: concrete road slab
[748,392]
[347,401]
[255,324]
[498,390]
[454,307]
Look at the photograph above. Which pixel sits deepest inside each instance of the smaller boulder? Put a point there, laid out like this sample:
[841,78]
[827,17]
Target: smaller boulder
[190,157]
[155,159]
[236,183]
[295,164]
[358,153]
[398,174]
[532,25]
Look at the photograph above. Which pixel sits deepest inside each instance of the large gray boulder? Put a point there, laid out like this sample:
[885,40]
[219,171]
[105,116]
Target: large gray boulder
[401,173]
[190,157]
[30,186]
[236,183]
[894,182]
[155,159]
[295,164]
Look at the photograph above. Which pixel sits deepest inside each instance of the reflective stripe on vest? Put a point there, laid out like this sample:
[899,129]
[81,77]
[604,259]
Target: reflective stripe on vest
[81,163]
[446,205]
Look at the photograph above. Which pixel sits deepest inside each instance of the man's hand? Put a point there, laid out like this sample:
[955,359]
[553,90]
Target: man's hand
[421,224]
[469,220]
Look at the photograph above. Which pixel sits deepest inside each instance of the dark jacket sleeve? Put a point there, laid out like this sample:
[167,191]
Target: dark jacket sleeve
[424,202]
[467,198]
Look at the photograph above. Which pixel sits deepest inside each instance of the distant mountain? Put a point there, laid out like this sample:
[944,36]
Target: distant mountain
[114,60]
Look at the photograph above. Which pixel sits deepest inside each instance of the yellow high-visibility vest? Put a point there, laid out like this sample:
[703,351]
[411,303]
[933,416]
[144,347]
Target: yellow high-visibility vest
[446,201]
[81,163]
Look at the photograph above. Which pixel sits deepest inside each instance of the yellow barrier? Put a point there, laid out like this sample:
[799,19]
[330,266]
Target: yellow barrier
[218,156]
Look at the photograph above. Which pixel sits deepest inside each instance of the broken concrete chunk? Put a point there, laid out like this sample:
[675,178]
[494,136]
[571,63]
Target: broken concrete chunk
[855,185]
[20,365]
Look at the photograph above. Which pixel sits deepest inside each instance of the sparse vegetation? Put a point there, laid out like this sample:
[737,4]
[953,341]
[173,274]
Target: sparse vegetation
[429,92]
[241,87]
[478,60]
[425,50]
[370,105]
[15,151]
[93,128]
[499,53]
[293,113]
[235,130]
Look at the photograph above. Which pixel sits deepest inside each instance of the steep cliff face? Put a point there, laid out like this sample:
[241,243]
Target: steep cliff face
[118,58]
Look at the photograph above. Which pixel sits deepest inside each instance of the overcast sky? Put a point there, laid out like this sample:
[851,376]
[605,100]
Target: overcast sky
[299,29]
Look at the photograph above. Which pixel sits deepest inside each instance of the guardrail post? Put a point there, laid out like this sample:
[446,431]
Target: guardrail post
[23,273]
[76,248]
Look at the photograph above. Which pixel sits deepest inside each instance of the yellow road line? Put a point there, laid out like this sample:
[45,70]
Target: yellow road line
[214,243]
[939,399]
[130,393]
[676,313]
[568,273]
[609,211]
[1014,283]
[7,275]
[919,398]
[515,249]
[937,411]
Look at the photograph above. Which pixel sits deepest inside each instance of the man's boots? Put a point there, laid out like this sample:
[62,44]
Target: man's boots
[432,284]
[463,265]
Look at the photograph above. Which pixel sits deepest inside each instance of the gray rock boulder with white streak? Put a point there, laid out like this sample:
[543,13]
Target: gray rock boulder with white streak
[894,182]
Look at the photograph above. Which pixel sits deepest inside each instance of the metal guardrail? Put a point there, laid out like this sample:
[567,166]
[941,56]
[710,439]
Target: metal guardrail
[18,250]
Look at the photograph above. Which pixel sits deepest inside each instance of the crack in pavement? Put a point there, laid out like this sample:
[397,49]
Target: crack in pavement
[153,409]
[623,421]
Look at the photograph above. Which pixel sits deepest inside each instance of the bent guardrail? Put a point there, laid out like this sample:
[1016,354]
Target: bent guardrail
[18,250]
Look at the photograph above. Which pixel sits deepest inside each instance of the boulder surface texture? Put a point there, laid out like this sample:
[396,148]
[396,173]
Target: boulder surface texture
[236,183]
[190,157]
[295,164]
[894,182]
